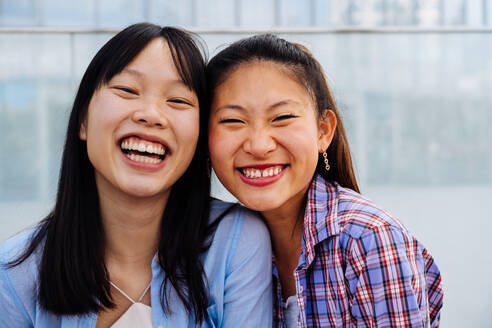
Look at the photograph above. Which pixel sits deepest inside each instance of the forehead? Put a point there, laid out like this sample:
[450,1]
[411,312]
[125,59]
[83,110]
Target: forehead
[155,55]
[261,66]
[155,64]
[261,81]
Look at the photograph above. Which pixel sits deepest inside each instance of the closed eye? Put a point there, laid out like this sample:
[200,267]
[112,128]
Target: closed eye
[230,120]
[180,101]
[127,90]
[283,117]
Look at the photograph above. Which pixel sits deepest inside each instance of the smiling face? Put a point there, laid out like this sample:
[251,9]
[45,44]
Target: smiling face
[265,136]
[142,126]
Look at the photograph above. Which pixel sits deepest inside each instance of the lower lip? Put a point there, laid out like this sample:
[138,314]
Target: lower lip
[263,181]
[143,166]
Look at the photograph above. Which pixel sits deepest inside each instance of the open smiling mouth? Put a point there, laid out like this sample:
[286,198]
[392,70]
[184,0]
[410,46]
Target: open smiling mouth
[143,151]
[261,172]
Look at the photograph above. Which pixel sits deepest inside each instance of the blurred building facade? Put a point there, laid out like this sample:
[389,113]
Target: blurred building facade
[412,78]
[247,13]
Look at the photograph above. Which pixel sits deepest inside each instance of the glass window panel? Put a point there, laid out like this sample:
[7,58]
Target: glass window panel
[258,13]
[34,55]
[85,47]
[67,13]
[330,13]
[32,91]
[117,13]
[453,12]
[322,16]
[474,13]
[295,13]
[171,12]
[20,12]
[19,177]
[381,12]
[401,12]
[215,13]
[427,12]
[487,12]
[359,12]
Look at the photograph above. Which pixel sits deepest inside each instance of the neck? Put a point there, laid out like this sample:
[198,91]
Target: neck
[286,227]
[131,227]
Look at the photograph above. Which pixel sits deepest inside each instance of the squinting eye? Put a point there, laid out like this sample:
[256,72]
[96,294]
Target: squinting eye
[127,90]
[283,117]
[180,101]
[230,120]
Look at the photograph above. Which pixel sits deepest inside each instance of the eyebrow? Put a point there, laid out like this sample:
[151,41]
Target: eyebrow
[271,107]
[132,71]
[139,74]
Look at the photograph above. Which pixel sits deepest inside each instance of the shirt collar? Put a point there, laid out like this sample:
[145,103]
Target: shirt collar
[320,216]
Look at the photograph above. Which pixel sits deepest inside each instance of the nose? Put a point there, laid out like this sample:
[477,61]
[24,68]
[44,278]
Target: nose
[259,143]
[150,114]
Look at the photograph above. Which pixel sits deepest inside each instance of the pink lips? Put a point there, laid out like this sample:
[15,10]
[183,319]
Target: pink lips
[261,181]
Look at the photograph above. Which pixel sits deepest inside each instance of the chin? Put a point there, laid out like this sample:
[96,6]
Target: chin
[260,204]
[142,191]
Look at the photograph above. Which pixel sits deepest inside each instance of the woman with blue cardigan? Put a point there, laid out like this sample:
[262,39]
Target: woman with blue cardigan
[134,239]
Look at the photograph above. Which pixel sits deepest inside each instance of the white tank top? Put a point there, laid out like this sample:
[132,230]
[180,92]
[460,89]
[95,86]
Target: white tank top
[291,311]
[137,315]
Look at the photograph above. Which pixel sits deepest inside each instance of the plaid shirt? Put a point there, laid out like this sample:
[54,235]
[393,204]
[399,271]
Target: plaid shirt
[359,267]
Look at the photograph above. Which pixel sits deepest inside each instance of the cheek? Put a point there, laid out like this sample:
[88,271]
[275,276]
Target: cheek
[221,144]
[102,112]
[187,128]
[302,142]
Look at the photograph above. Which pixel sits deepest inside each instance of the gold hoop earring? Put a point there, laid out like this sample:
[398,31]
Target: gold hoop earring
[325,158]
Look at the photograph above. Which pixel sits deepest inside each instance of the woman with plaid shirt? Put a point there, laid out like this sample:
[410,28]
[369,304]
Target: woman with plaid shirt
[278,144]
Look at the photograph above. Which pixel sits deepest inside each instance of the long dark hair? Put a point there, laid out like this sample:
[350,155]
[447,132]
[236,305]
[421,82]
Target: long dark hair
[301,64]
[73,278]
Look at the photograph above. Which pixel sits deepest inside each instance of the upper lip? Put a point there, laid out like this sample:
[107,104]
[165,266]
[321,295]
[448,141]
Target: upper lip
[259,166]
[146,137]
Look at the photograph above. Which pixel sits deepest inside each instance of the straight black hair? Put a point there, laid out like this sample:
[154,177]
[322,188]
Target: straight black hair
[73,278]
[298,62]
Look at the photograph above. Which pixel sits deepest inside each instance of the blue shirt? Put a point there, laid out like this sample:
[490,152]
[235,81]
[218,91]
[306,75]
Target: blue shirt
[237,267]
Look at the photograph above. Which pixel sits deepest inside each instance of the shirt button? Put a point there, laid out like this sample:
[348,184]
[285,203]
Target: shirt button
[160,326]
[300,289]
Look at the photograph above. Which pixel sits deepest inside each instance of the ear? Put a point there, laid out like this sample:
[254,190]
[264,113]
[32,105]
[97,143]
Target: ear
[326,128]
[83,130]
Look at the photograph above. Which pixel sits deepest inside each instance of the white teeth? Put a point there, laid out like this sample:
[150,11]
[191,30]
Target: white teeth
[143,159]
[255,173]
[143,147]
